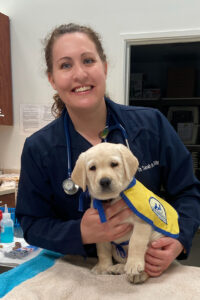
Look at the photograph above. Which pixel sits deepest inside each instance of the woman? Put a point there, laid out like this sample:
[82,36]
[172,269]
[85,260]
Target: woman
[77,69]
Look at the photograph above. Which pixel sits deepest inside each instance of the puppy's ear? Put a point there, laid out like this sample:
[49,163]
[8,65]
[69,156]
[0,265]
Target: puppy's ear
[129,160]
[79,172]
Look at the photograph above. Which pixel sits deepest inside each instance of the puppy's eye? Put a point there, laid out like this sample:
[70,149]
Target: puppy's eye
[114,164]
[92,168]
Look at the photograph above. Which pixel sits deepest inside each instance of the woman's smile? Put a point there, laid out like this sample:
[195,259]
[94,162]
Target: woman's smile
[82,89]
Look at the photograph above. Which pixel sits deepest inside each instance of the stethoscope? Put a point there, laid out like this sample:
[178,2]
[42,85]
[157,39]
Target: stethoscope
[70,188]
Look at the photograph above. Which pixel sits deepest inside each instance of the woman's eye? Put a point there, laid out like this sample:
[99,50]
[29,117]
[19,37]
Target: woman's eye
[113,164]
[88,61]
[65,66]
[93,168]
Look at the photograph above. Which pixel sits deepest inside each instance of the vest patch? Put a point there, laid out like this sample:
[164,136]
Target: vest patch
[158,209]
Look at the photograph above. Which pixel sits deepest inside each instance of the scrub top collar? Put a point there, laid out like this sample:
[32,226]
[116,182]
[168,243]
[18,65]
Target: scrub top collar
[116,109]
[133,131]
[76,135]
[77,140]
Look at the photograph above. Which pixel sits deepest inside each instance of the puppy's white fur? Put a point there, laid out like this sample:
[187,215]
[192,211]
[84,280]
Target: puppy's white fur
[107,169]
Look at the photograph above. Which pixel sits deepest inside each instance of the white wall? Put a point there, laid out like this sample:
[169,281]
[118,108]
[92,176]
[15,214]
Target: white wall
[31,20]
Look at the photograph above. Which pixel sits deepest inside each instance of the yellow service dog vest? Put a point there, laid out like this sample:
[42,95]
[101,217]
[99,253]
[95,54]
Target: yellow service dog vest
[152,209]
[149,207]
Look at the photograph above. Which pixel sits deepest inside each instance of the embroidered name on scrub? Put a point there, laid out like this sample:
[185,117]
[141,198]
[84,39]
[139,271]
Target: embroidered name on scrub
[151,208]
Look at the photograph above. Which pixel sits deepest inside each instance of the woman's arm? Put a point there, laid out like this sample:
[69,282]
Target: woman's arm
[42,223]
[183,193]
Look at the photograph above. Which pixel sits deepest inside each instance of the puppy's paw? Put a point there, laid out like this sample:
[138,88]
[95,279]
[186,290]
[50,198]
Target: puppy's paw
[137,278]
[100,269]
[135,271]
[116,269]
[134,267]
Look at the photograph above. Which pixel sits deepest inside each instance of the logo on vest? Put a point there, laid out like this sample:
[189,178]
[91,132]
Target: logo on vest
[158,209]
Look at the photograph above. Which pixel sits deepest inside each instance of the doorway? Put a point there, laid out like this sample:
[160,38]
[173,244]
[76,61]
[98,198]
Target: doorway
[163,71]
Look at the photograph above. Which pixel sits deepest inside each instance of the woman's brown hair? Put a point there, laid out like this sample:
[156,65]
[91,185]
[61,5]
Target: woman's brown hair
[58,104]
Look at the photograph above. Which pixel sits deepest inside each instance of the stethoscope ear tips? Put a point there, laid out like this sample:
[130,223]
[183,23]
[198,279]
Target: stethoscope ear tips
[69,187]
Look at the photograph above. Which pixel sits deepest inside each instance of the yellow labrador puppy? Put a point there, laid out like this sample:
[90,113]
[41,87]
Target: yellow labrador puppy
[106,170]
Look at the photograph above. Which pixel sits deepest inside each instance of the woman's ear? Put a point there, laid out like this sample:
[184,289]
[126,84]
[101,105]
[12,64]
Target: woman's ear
[105,67]
[51,80]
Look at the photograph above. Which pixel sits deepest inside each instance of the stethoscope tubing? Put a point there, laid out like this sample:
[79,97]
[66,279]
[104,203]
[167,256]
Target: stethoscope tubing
[121,128]
[68,144]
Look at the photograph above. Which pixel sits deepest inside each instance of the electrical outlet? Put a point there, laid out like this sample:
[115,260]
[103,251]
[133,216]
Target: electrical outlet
[1,115]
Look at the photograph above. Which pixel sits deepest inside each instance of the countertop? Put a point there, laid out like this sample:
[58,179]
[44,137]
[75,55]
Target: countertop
[13,262]
[9,183]
[6,190]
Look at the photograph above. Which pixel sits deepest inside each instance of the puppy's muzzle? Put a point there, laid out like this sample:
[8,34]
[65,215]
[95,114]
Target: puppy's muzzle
[105,183]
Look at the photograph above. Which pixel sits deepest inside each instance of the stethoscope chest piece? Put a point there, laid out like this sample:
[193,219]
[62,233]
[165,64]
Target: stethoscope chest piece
[70,188]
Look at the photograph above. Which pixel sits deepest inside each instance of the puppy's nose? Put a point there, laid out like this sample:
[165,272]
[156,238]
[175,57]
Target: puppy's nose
[105,182]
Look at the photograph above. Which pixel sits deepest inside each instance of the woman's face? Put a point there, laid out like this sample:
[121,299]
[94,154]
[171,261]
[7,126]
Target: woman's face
[78,75]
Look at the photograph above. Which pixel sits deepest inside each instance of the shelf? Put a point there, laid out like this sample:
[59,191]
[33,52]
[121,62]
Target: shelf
[180,101]
[165,102]
[193,147]
[145,102]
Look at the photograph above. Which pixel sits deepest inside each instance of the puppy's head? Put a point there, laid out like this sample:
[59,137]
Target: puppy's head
[106,169]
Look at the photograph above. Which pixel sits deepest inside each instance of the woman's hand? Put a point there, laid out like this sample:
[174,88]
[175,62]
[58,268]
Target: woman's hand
[161,254]
[93,231]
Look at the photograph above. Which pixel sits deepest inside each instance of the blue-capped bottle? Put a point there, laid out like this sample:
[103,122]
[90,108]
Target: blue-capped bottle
[7,227]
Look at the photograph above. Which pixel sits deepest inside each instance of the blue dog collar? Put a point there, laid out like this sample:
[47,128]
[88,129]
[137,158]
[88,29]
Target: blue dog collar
[119,248]
[98,204]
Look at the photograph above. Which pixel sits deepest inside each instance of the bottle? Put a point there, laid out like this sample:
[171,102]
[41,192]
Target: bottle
[18,230]
[7,227]
[0,222]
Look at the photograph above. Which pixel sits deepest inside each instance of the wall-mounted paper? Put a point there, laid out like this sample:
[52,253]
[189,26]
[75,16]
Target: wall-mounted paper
[33,117]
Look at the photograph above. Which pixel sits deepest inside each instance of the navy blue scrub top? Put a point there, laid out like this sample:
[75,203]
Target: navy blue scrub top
[50,218]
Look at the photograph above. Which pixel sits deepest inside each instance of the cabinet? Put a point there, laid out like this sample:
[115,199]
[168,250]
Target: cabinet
[8,199]
[6,111]
[166,76]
